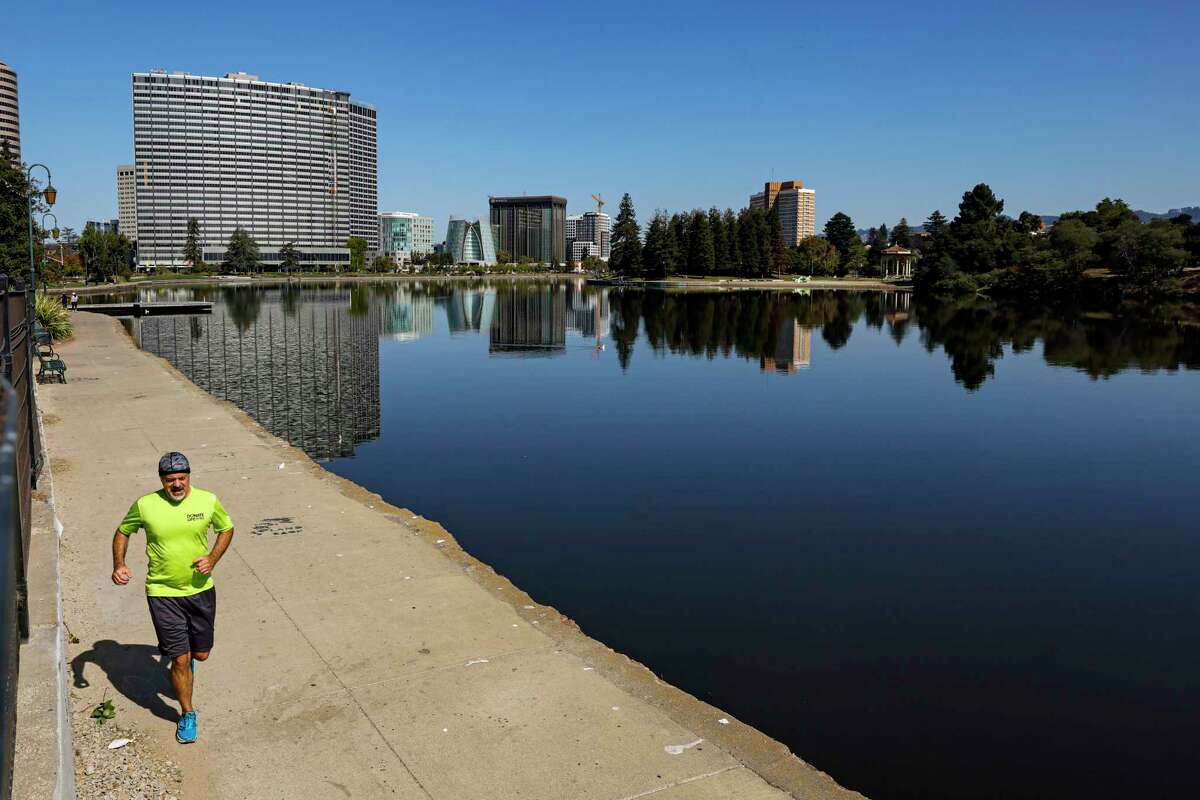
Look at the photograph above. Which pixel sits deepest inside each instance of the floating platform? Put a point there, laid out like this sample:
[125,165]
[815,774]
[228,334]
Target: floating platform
[146,309]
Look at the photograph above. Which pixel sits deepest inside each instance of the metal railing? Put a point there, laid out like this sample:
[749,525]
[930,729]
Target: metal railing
[20,462]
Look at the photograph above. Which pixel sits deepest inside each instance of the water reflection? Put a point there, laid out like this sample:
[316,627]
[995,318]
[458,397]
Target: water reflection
[308,373]
[304,359]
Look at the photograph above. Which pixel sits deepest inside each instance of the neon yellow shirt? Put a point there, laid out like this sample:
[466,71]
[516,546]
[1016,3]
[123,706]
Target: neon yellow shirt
[176,535]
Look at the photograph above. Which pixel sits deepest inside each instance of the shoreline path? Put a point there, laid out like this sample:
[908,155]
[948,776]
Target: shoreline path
[360,652]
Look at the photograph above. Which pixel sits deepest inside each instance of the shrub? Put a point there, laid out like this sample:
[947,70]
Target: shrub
[53,317]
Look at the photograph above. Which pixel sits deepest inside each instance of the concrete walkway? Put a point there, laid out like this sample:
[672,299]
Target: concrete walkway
[360,653]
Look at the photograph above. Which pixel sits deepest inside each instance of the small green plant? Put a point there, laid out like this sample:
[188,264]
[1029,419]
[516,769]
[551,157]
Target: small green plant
[104,710]
[53,317]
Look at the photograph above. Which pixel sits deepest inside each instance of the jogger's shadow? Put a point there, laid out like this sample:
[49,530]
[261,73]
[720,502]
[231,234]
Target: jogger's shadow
[137,671]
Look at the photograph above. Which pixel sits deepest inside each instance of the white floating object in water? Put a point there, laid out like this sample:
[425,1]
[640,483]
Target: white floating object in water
[677,749]
[117,743]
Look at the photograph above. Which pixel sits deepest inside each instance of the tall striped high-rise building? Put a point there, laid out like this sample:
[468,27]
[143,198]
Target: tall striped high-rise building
[793,204]
[10,117]
[284,162]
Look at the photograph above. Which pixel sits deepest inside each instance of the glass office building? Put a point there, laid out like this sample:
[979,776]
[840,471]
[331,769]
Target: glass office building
[535,227]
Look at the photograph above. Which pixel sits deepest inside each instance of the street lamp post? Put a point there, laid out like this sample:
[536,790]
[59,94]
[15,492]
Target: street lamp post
[51,194]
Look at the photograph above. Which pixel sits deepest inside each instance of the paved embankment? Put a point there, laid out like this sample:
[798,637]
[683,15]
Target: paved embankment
[360,653]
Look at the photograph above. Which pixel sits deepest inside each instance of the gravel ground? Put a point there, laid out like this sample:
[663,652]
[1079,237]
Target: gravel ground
[132,772]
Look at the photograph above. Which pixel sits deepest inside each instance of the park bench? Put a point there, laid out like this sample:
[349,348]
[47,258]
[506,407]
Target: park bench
[51,366]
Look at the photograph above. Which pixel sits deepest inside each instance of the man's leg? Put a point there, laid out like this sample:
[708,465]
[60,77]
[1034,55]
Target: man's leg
[181,679]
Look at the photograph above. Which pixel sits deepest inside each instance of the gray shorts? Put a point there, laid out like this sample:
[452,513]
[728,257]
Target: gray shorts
[184,624]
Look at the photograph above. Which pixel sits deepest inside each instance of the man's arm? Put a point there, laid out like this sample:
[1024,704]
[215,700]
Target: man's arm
[120,573]
[205,564]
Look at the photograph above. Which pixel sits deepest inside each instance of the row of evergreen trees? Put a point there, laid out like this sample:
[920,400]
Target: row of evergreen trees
[697,243]
[746,244]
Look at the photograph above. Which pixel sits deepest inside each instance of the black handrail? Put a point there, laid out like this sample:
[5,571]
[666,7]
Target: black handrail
[14,620]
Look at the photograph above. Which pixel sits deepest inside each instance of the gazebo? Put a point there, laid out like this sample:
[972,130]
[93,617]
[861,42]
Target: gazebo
[897,262]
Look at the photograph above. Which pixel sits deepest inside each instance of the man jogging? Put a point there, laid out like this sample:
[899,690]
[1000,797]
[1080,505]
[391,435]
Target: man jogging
[179,586]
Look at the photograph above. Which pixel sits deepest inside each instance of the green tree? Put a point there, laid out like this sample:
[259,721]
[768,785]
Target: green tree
[358,253]
[817,256]
[241,255]
[1147,253]
[1028,222]
[730,260]
[192,252]
[716,226]
[979,205]
[626,254]
[902,234]
[935,224]
[289,257]
[840,232]
[855,259]
[1074,243]
[776,249]
[381,263]
[15,191]
[878,243]
[701,258]
[503,257]
[660,256]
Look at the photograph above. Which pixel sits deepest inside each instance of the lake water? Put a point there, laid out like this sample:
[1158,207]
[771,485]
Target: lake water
[940,551]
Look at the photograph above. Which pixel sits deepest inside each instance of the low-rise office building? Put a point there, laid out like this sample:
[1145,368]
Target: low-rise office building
[404,234]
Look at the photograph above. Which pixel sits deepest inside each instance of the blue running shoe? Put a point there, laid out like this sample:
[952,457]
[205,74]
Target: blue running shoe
[185,731]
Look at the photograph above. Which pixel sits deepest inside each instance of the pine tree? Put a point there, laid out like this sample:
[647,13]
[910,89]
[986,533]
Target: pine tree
[659,253]
[701,257]
[902,234]
[192,252]
[839,231]
[626,257]
[730,261]
[936,223]
[716,227]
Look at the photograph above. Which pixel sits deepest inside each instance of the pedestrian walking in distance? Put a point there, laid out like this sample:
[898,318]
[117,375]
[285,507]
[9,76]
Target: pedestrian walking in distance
[74,301]
[179,584]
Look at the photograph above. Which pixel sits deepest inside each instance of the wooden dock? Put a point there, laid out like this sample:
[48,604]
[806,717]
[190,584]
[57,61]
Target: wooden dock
[147,309]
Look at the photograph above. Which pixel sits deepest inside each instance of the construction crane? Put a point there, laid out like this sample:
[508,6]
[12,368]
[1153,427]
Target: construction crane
[599,236]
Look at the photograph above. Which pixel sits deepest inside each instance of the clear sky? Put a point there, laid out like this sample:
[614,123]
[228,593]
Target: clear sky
[884,109]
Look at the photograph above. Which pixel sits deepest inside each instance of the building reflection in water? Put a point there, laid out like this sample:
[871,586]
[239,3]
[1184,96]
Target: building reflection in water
[529,320]
[308,372]
[408,316]
[793,348]
[470,310]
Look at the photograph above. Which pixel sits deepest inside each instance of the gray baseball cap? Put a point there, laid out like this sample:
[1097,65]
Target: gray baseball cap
[173,462]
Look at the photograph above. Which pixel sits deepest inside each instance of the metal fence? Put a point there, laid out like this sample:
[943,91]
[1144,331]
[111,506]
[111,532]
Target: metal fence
[20,462]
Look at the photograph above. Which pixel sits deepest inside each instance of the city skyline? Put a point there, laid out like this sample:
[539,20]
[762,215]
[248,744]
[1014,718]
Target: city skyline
[1013,109]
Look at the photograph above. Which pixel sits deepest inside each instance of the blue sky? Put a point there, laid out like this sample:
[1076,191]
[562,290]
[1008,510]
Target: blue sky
[884,109]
